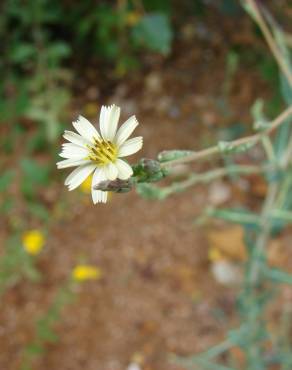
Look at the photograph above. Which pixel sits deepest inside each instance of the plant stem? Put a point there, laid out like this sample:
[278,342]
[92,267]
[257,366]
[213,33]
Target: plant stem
[263,237]
[270,40]
[206,153]
[269,148]
[213,175]
[286,158]
[251,297]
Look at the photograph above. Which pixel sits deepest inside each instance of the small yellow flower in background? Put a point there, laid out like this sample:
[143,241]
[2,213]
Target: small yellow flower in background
[33,241]
[133,18]
[86,185]
[215,255]
[86,272]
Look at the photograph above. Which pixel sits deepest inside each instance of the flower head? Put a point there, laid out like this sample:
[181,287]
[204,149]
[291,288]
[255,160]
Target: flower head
[33,241]
[86,272]
[99,153]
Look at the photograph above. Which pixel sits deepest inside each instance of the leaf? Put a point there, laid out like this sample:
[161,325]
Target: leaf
[230,7]
[58,50]
[36,173]
[283,133]
[171,155]
[35,349]
[45,333]
[154,32]
[6,179]
[33,176]
[150,191]
[279,276]
[37,142]
[22,52]
[257,112]
[239,216]
[30,270]
[286,88]
[39,210]
[164,6]
[282,215]
[6,205]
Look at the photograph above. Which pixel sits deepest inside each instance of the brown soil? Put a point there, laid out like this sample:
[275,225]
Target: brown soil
[157,295]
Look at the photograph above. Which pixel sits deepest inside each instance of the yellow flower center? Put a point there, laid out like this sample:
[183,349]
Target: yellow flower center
[102,152]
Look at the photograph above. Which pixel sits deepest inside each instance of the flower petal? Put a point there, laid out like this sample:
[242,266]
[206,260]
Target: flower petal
[103,116]
[72,162]
[126,130]
[130,146]
[111,171]
[86,129]
[79,175]
[73,151]
[98,196]
[104,196]
[75,138]
[109,118]
[124,169]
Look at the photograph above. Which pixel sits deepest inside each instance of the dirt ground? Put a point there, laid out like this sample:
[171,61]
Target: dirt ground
[157,295]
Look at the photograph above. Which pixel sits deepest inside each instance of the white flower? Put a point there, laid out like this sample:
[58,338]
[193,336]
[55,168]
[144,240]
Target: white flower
[99,153]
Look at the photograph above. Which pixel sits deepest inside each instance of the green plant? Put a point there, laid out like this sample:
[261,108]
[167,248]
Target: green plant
[261,348]
[45,326]
[16,264]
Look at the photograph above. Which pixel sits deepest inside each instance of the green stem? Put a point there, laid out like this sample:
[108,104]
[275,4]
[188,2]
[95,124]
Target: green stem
[206,153]
[263,237]
[213,175]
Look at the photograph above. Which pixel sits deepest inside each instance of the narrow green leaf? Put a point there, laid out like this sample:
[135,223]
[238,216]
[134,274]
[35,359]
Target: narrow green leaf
[239,216]
[279,276]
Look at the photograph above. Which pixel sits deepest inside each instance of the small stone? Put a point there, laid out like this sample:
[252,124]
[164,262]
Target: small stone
[219,193]
[153,82]
[133,366]
[226,273]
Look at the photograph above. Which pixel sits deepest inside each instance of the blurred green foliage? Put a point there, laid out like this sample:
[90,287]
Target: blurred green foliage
[16,264]
[44,45]
[45,326]
[43,41]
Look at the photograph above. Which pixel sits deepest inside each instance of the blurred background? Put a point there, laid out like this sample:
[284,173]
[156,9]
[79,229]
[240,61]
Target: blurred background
[124,285]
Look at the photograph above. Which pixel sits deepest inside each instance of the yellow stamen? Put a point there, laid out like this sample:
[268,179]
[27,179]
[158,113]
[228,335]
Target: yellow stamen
[102,152]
